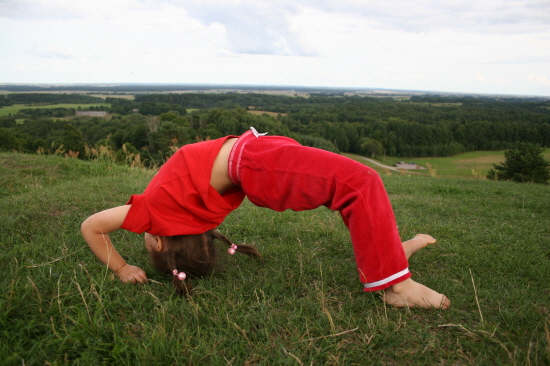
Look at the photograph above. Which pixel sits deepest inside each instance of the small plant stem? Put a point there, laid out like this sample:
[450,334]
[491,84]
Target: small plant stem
[475,293]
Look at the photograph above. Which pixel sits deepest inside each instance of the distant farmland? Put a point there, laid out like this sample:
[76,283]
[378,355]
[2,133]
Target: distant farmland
[13,109]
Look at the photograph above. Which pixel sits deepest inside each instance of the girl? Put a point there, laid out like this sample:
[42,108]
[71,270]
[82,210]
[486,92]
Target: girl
[203,182]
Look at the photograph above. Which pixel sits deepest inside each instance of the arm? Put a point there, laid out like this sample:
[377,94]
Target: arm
[95,230]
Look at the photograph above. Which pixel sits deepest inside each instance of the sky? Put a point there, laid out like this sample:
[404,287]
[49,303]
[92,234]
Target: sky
[476,46]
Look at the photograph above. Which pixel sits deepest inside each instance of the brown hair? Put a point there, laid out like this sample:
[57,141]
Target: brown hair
[196,255]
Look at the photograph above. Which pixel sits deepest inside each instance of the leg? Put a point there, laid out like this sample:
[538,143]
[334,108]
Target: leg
[281,175]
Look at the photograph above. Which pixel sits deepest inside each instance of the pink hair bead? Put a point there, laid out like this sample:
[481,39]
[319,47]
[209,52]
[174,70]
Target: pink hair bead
[181,275]
[232,250]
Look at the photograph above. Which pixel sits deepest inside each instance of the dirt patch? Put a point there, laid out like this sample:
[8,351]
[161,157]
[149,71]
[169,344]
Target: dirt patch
[409,166]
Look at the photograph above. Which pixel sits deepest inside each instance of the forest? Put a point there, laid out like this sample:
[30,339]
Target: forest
[155,123]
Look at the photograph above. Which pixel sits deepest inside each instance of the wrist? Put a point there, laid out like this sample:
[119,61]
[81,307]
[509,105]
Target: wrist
[118,266]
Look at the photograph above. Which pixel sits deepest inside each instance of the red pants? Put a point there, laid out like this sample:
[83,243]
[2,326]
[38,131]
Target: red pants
[278,173]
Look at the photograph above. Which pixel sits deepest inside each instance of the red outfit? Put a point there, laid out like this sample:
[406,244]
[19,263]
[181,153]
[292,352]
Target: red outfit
[278,173]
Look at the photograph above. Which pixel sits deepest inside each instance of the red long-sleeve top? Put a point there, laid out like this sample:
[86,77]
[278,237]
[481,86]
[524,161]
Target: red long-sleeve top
[179,200]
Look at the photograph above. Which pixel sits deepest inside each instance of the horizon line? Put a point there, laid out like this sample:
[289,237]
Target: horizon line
[260,87]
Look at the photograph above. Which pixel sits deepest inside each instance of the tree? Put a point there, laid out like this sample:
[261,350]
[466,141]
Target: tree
[524,163]
[168,116]
[72,140]
[9,140]
[371,146]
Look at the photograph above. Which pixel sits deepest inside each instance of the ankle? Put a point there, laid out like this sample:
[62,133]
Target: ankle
[401,286]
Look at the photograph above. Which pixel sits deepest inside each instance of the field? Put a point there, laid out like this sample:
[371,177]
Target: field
[121,96]
[303,306]
[6,111]
[272,114]
[470,164]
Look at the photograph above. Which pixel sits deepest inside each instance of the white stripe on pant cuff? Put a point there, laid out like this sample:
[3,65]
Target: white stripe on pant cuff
[386,280]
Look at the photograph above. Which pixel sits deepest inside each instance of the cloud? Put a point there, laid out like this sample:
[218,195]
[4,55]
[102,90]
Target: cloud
[250,27]
[253,27]
[403,44]
[64,53]
[539,79]
[271,27]
[489,16]
[41,10]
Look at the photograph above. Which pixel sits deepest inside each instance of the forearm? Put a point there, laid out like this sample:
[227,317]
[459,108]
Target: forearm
[96,229]
[102,247]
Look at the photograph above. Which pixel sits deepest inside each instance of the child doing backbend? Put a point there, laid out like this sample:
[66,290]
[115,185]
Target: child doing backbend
[203,182]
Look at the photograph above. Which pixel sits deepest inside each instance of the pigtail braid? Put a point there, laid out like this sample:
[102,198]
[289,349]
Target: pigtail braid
[249,250]
[183,287]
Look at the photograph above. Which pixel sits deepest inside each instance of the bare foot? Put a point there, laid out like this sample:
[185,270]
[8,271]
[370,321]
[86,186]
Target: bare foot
[418,242]
[413,294]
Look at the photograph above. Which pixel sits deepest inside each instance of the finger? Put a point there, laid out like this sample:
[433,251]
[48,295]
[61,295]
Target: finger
[141,277]
[127,280]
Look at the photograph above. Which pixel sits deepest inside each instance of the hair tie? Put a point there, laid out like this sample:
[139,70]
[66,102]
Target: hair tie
[232,249]
[181,275]
[256,133]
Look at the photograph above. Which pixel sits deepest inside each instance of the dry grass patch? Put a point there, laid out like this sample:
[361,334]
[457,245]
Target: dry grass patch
[272,114]
[481,163]
[482,160]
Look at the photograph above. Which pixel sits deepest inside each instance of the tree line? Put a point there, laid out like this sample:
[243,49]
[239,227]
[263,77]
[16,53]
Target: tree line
[154,137]
[414,127]
[418,127]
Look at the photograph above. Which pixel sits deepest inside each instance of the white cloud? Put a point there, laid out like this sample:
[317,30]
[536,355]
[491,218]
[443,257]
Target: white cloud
[41,10]
[489,16]
[55,52]
[252,27]
[480,78]
[539,79]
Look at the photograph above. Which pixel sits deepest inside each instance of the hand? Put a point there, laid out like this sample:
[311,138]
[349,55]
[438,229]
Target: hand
[132,274]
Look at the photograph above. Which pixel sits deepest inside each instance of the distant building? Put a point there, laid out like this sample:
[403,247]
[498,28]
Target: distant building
[92,113]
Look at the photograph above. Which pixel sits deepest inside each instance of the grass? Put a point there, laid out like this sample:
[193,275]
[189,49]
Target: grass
[13,109]
[303,306]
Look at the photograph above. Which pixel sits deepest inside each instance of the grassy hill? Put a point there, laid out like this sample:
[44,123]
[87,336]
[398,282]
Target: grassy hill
[303,306]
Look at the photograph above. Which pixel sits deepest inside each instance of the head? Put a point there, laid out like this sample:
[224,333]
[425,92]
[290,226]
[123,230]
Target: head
[196,255]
